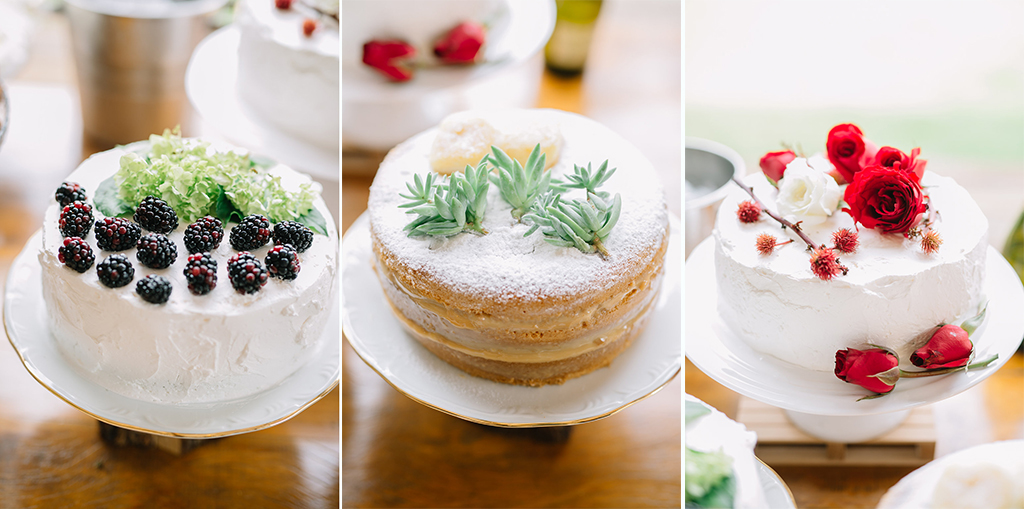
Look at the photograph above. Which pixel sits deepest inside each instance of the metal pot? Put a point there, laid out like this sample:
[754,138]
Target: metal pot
[710,167]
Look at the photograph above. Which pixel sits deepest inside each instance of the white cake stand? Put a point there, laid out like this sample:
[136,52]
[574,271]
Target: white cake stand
[25,323]
[817,401]
[211,85]
[650,363]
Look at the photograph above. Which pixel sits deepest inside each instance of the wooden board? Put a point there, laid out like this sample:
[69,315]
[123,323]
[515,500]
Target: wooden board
[780,443]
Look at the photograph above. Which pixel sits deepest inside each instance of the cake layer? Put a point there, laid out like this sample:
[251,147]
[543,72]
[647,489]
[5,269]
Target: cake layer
[288,79]
[192,349]
[893,294]
[506,298]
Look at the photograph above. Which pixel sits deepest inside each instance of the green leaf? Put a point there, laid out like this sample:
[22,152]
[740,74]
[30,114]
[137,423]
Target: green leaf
[224,209]
[314,221]
[107,200]
[971,324]
[693,410]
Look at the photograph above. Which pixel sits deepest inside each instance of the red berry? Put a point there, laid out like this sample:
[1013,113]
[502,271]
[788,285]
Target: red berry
[308,27]
[283,4]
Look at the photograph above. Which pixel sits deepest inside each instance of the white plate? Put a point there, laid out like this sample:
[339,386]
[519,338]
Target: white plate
[726,358]
[25,322]
[916,489]
[776,493]
[375,334]
[211,85]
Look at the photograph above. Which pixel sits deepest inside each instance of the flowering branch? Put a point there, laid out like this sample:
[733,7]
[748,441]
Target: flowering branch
[796,227]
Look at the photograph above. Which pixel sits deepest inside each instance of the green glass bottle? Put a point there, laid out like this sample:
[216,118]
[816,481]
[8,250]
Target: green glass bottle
[566,51]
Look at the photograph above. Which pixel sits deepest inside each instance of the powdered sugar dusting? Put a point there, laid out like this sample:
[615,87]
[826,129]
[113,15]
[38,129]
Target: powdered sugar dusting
[503,266]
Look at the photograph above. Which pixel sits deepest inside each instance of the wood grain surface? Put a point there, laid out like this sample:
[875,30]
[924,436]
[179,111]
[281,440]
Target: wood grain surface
[51,455]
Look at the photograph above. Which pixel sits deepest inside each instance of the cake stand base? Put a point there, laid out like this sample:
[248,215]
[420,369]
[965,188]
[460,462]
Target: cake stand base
[121,437]
[782,443]
[847,428]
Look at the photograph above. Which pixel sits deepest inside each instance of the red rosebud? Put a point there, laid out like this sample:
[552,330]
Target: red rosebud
[949,347]
[462,44]
[389,58]
[845,240]
[885,198]
[875,370]
[308,27]
[890,157]
[773,164]
[748,211]
[849,151]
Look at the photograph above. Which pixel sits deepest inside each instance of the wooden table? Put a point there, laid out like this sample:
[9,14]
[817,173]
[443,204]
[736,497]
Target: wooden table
[399,453]
[51,454]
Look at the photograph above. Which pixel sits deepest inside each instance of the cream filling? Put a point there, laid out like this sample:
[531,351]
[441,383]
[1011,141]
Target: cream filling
[417,311]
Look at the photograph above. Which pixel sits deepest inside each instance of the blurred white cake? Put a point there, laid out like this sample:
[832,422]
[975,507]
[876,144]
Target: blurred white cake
[987,476]
[287,78]
[710,431]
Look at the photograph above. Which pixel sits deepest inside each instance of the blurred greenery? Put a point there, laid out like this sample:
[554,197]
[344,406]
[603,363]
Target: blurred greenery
[991,136]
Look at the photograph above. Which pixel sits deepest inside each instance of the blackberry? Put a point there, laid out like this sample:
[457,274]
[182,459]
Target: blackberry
[283,261]
[251,233]
[116,234]
[294,233]
[156,251]
[156,215]
[201,273]
[76,219]
[203,235]
[116,271]
[246,273]
[76,253]
[70,192]
[153,288]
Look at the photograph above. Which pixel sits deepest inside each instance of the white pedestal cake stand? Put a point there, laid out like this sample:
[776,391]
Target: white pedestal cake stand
[650,363]
[816,401]
[26,325]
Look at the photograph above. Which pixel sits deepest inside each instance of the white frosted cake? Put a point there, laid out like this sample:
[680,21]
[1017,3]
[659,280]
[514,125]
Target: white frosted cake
[288,78]
[987,476]
[893,294]
[192,348]
[514,308]
[720,461]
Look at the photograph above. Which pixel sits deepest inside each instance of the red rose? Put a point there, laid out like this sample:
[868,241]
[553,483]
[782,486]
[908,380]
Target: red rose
[890,157]
[462,44]
[875,370]
[949,347]
[885,198]
[773,164]
[389,58]
[848,150]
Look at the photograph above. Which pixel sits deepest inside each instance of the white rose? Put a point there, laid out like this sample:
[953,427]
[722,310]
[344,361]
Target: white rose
[807,194]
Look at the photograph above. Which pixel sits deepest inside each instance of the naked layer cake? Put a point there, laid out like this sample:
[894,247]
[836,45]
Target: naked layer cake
[511,301]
